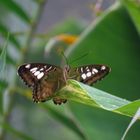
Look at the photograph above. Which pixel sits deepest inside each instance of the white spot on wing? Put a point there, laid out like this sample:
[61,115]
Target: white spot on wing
[82,69]
[103,68]
[95,70]
[83,76]
[88,74]
[48,69]
[87,67]
[28,66]
[41,69]
[40,75]
[33,69]
[36,73]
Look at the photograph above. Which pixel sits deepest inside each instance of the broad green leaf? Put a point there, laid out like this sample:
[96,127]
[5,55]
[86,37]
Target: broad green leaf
[68,122]
[130,108]
[133,8]
[85,94]
[14,7]
[17,133]
[112,40]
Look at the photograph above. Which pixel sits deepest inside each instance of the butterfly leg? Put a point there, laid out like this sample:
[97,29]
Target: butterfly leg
[65,74]
[59,101]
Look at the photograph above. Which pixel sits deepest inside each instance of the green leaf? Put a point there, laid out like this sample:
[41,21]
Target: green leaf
[17,133]
[9,59]
[3,85]
[130,108]
[133,8]
[112,39]
[4,30]
[68,26]
[85,94]
[3,57]
[14,7]
[68,122]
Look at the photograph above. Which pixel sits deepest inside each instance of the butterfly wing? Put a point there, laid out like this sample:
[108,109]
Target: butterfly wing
[32,73]
[89,74]
[44,79]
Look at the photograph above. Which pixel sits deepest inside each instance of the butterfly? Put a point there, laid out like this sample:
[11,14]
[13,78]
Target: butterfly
[46,79]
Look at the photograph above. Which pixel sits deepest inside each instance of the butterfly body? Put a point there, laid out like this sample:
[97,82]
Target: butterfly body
[46,79]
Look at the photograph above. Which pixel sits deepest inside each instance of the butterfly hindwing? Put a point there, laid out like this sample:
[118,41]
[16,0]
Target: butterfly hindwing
[90,74]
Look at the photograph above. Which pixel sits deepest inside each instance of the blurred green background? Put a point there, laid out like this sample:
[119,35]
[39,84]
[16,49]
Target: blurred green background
[108,33]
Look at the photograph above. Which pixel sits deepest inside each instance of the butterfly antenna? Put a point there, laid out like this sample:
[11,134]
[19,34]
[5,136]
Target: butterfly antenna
[68,63]
[80,57]
[65,58]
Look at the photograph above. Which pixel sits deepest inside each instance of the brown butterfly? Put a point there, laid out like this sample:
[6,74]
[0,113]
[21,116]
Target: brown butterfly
[46,79]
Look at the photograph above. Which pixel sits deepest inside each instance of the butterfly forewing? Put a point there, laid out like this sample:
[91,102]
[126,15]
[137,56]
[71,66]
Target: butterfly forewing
[32,73]
[90,74]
